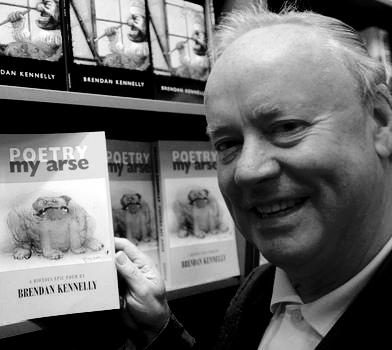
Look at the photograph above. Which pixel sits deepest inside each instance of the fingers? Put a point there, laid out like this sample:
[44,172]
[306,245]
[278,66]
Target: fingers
[129,249]
[130,272]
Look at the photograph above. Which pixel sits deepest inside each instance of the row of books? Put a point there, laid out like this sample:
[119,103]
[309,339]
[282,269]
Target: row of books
[66,196]
[137,48]
[165,195]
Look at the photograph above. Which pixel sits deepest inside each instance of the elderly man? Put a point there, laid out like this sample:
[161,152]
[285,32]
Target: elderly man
[301,119]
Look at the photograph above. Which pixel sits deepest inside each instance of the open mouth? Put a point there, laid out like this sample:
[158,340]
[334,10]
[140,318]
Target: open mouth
[43,211]
[44,18]
[280,208]
[132,206]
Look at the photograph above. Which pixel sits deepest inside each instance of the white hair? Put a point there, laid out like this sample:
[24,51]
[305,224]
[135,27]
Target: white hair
[342,40]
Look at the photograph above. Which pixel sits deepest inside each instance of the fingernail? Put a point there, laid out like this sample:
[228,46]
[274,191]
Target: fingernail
[121,258]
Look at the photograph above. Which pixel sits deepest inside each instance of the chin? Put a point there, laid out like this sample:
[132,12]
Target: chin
[290,251]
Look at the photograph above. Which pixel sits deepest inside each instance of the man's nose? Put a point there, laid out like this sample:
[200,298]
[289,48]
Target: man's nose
[256,164]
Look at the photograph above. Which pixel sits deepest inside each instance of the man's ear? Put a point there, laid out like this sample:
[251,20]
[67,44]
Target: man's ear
[383,118]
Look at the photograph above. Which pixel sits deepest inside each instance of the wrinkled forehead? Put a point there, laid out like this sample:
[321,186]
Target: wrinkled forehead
[282,44]
[269,60]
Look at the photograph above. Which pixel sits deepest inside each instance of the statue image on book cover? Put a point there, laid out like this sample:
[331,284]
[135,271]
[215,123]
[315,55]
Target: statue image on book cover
[31,32]
[179,39]
[105,35]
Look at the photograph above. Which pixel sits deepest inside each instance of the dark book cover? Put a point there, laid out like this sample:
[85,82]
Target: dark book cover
[31,44]
[179,46]
[108,48]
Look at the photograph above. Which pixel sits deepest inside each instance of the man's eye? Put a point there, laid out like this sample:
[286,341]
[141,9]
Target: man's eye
[227,150]
[287,131]
[288,127]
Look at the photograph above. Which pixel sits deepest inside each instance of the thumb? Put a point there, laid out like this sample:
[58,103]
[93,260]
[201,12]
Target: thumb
[128,270]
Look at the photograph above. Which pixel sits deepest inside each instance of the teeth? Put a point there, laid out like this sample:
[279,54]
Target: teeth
[277,207]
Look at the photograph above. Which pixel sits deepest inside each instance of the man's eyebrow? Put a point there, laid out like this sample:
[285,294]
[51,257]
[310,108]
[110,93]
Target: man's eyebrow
[267,110]
[213,131]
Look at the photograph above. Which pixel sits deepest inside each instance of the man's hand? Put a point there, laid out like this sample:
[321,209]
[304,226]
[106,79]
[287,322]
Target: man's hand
[145,304]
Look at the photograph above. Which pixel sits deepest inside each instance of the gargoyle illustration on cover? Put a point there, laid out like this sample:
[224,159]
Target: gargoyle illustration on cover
[51,227]
[133,219]
[200,215]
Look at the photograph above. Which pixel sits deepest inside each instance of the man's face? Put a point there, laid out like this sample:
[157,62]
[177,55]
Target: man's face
[296,158]
[137,26]
[49,15]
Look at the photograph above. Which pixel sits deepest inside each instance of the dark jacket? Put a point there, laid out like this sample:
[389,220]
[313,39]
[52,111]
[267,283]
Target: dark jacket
[364,325]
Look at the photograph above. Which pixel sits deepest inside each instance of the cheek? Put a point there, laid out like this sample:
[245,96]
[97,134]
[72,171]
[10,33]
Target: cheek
[226,181]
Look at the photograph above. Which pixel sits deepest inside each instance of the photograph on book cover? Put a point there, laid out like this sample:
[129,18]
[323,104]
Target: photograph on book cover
[179,44]
[54,223]
[132,194]
[109,46]
[134,215]
[196,212]
[31,52]
[378,43]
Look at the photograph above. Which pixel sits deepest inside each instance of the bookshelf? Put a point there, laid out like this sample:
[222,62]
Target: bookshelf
[37,111]
[85,99]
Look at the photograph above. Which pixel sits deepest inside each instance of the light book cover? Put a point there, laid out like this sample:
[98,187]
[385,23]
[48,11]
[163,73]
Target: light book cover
[197,242]
[132,194]
[56,234]
[31,44]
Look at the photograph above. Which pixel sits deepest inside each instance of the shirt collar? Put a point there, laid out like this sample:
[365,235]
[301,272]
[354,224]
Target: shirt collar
[322,313]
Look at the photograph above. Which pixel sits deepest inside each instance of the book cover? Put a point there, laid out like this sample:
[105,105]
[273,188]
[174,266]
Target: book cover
[132,194]
[196,233]
[31,44]
[108,48]
[378,44]
[179,46]
[56,234]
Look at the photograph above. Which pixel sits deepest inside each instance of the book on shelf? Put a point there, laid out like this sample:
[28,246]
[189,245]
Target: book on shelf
[132,194]
[108,48]
[378,43]
[179,36]
[31,44]
[197,241]
[57,244]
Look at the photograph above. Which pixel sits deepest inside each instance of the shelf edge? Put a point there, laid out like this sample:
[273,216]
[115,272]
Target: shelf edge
[96,100]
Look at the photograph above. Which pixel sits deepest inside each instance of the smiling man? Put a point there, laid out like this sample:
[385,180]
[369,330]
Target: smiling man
[301,119]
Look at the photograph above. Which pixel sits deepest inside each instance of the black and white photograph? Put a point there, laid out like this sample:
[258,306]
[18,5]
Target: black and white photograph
[31,44]
[179,46]
[109,50]
[196,212]
[31,29]
[54,223]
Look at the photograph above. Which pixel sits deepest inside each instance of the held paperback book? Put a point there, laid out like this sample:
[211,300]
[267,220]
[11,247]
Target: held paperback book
[132,194]
[108,48]
[56,236]
[197,241]
[179,46]
[31,44]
